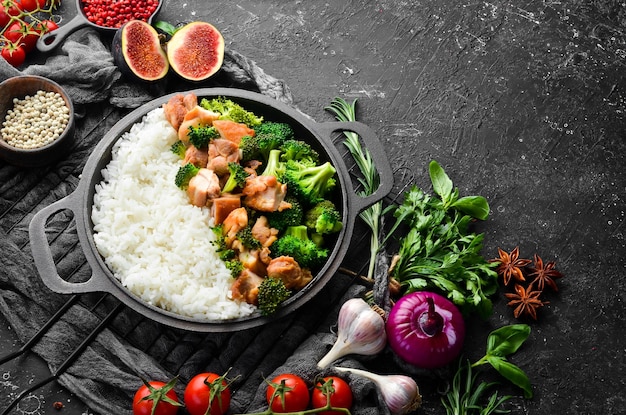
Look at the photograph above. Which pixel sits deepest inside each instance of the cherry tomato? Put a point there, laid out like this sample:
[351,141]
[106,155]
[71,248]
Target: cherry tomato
[27,5]
[287,393]
[341,395]
[156,393]
[204,388]
[14,32]
[5,18]
[46,26]
[6,13]
[14,54]
[29,37]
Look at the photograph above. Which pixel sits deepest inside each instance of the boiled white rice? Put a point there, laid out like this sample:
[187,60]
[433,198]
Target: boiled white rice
[155,242]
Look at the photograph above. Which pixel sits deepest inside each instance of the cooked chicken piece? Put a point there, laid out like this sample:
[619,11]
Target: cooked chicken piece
[234,222]
[223,205]
[203,188]
[251,259]
[177,107]
[246,287]
[233,131]
[265,193]
[252,166]
[190,101]
[221,152]
[195,117]
[265,255]
[174,110]
[195,156]
[287,269]
[263,233]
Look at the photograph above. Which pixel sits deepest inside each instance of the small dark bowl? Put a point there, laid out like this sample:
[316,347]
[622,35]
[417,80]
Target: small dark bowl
[19,87]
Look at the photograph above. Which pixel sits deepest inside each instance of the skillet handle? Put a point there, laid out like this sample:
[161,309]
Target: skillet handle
[42,253]
[379,158]
[51,40]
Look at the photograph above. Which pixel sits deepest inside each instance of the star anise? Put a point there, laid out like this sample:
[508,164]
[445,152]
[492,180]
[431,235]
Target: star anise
[510,265]
[544,274]
[525,301]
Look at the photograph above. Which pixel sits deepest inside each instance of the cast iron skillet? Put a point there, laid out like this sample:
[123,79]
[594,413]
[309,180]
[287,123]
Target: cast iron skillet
[102,280]
[53,39]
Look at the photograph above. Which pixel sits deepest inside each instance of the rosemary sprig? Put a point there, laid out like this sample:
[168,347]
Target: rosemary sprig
[370,179]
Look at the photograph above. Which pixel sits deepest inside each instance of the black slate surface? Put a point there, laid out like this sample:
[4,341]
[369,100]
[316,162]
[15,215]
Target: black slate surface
[522,103]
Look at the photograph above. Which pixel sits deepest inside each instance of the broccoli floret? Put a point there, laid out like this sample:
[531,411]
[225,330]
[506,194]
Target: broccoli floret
[234,266]
[249,148]
[230,110]
[323,218]
[266,143]
[247,239]
[298,150]
[222,250]
[200,137]
[281,219]
[237,178]
[185,174]
[272,292]
[318,238]
[281,130]
[273,166]
[310,184]
[295,243]
[179,148]
[259,146]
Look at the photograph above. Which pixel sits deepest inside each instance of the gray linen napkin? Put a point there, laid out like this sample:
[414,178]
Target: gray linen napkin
[110,369]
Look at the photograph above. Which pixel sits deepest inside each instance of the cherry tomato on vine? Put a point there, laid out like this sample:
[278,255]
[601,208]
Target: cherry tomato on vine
[6,13]
[28,5]
[46,26]
[15,55]
[340,394]
[206,388]
[159,394]
[29,37]
[5,18]
[14,32]
[287,393]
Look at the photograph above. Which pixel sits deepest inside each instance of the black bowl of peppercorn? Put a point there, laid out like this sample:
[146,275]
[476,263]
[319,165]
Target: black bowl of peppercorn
[36,121]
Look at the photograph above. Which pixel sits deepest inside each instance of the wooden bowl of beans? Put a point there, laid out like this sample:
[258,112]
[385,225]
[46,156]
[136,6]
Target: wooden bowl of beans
[36,121]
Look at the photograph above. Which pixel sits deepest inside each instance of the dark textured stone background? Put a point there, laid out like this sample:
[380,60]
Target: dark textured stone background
[521,102]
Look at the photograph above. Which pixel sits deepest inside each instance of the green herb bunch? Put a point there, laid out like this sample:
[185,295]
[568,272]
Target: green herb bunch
[439,251]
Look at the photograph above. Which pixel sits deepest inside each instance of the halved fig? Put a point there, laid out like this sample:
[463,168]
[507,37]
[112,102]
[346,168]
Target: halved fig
[196,51]
[137,51]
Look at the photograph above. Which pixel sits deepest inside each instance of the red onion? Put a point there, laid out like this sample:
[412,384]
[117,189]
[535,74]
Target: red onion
[425,329]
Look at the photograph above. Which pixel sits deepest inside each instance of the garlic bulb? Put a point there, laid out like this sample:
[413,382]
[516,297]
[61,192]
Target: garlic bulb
[400,392]
[360,330]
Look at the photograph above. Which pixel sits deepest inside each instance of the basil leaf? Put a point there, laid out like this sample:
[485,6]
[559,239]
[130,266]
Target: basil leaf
[506,340]
[475,206]
[512,373]
[442,185]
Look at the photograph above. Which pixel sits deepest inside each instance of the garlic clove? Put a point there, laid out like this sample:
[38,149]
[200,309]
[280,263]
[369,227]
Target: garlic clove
[360,330]
[400,393]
